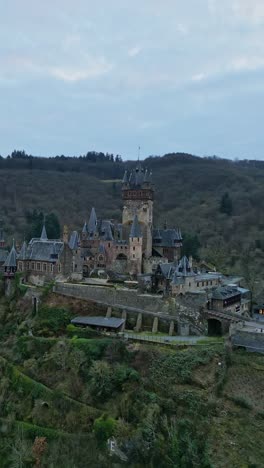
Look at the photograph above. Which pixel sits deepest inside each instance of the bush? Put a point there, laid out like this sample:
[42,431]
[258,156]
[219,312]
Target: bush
[104,428]
[54,318]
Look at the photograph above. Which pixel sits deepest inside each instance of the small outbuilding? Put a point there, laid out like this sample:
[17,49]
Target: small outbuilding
[110,324]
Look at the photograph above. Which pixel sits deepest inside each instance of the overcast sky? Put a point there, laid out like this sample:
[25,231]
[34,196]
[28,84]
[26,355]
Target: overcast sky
[109,75]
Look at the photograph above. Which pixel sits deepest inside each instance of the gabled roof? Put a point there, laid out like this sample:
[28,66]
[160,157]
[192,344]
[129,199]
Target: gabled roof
[225,292]
[74,241]
[44,236]
[135,228]
[11,258]
[166,237]
[166,269]
[44,251]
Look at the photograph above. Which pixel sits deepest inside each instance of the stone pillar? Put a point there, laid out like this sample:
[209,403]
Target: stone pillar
[139,323]
[109,312]
[171,329]
[155,326]
[124,316]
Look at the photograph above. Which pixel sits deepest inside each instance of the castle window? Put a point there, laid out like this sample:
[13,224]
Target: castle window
[198,284]
[27,265]
[138,239]
[38,266]
[44,267]
[33,265]
[133,255]
[134,248]
[51,267]
[108,244]
[203,283]
[59,269]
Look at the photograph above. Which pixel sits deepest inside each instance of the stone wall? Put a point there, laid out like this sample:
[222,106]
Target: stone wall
[112,296]
[252,341]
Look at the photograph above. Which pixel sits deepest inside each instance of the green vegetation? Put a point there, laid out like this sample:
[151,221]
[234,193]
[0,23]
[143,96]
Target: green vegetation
[65,391]
[218,204]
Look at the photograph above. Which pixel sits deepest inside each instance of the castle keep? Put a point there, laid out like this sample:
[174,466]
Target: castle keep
[132,247]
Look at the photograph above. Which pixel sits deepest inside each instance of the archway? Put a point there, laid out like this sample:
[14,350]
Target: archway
[214,327]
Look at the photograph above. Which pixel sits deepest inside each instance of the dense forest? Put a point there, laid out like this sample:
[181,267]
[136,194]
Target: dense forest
[217,203]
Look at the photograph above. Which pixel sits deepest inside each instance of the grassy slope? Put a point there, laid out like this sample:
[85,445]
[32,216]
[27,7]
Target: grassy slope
[214,411]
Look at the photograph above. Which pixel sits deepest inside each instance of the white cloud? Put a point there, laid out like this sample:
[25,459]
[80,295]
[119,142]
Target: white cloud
[15,65]
[249,63]
[134,51]
[199,77]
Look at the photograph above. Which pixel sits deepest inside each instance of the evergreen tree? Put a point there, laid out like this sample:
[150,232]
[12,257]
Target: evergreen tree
[226,205]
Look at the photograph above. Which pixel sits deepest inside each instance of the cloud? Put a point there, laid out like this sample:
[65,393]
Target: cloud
[134,51]
[16,65]
[250,63]
[199,77]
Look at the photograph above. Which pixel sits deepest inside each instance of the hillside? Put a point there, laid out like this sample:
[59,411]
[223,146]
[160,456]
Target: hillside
[188,194]
[169,407]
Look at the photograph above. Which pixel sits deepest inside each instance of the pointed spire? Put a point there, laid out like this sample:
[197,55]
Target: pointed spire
[84,229]
[11,259]
[92,222]
[44,236]
[125,178]
[23,251]
[135,228]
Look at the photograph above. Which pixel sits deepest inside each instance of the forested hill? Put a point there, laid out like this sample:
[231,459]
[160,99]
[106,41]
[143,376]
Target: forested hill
[217,203]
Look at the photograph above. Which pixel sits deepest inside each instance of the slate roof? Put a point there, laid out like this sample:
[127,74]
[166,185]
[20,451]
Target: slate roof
[135,228]
[184,268]
[167,269]
[23,252]
[92,223]
[106,228]
[225,292]
[84,229]
[47,251]
[3,255]
[166,237]
[74,241]
[103,322]
[138,177]
[11,258]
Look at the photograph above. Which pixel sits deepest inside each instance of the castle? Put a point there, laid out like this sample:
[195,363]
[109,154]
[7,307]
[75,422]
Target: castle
[132,247]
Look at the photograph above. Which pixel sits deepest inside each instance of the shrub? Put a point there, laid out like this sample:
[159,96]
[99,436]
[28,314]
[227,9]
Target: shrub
[104,428]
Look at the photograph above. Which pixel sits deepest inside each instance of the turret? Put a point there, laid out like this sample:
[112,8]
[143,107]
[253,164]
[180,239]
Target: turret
[10,264]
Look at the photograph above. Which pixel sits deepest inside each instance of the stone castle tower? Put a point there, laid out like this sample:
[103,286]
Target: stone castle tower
[138,194]
[135,248]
